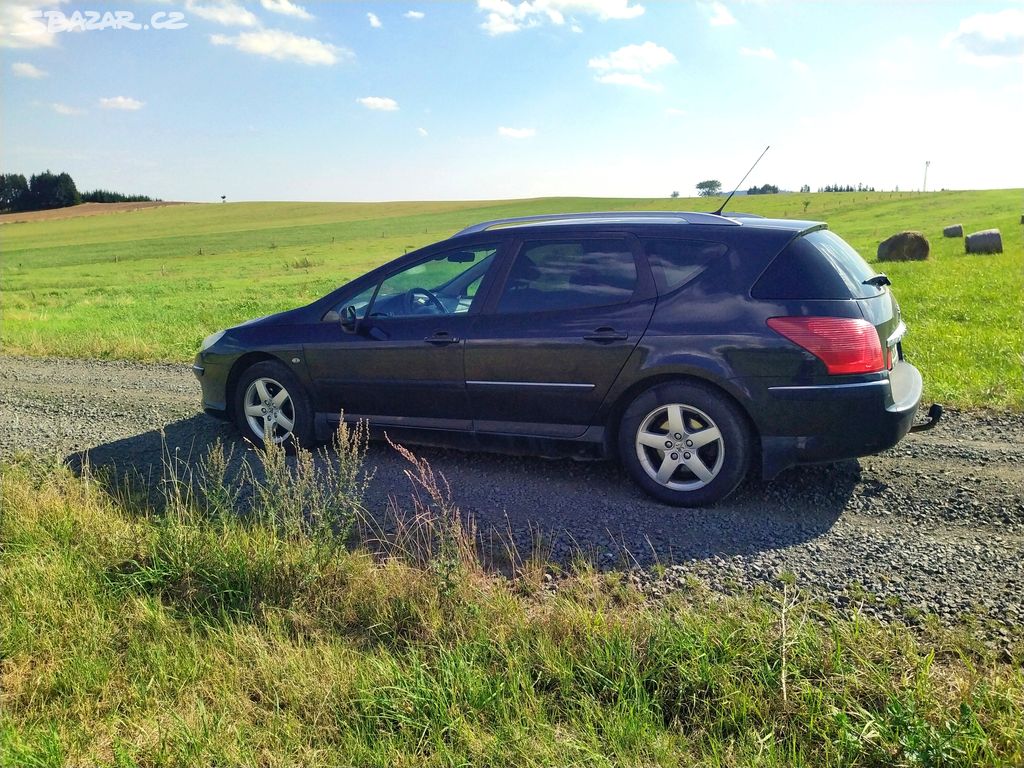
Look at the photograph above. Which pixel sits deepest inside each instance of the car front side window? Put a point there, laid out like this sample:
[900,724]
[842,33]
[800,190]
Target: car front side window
[440,285]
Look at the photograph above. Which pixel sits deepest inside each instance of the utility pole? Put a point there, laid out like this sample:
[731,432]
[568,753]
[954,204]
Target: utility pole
[924,187]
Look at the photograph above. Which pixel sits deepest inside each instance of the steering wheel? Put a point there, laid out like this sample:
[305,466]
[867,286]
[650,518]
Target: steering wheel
[417,299]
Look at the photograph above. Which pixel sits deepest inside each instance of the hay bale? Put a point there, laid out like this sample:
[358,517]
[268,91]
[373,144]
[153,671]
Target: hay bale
[904,246]
[953,230]
[985,241]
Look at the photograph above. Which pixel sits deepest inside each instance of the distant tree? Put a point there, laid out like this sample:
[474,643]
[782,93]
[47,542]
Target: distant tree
[13,192]
[709,188]
[846,188]
[66,192]
[805,188]
[764,189]
[49,190]
[106,196]
[806,203]
[223,198]
[675,193]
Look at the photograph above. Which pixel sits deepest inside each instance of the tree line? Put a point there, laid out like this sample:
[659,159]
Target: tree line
[47,190]
[845,188]
[713,187]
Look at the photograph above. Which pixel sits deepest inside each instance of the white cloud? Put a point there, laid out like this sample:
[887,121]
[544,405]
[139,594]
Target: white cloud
[284,46]
[630,79]
[124,103]
[799,67]
[64,109]
[990,38]
[380,103]
[517,133]
[633,58]
[422,131]
[675,112]
[758,53]
[226,13]
[24,69]
[374,20]
[21,25]
[505,16]
[286,8]
[628,65]
[417,15]
[720,16]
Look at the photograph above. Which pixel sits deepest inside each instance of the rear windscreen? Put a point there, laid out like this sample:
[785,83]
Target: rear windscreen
[818,265]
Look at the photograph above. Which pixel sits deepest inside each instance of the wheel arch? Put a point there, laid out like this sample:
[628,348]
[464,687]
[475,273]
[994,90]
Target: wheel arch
[621,403]
[240,366]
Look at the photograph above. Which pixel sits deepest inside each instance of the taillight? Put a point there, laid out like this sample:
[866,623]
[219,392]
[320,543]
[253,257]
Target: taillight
[845,345]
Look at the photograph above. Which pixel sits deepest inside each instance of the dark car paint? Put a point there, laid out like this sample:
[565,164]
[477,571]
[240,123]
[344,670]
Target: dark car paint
[708,329]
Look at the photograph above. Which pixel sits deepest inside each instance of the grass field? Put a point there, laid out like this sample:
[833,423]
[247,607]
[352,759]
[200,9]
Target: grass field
[198,633]
[198,636]
[149,285]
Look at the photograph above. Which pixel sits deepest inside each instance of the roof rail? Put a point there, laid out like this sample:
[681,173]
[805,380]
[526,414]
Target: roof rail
[682,217]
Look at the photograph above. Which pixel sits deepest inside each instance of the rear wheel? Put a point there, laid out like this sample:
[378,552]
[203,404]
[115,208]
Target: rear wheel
[271,405]
[686,444]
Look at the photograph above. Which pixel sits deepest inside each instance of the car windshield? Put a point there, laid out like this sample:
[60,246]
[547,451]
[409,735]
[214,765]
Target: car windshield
[849,264]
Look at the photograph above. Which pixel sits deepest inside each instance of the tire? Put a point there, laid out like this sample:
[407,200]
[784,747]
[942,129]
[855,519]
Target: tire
[275,398]
[708,459]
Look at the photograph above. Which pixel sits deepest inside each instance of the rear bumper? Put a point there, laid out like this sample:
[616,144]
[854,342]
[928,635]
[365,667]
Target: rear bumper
[831,422]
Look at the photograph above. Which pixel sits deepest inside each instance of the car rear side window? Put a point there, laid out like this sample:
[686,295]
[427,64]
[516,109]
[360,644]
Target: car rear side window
[676,262]
[569,274]
[818,265]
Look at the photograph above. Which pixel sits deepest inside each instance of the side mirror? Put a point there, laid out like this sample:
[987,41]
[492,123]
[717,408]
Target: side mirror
[349,320]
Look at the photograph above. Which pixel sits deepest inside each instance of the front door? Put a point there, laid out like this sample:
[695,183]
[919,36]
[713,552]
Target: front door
[402,363]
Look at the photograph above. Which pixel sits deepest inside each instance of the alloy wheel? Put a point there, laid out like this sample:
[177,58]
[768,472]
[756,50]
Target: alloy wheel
[680,447]
[269,410]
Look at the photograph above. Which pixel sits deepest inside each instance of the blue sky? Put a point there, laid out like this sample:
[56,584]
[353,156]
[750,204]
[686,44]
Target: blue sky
[292,100]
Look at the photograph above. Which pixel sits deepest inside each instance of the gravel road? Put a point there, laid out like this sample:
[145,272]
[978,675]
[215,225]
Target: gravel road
[933,526]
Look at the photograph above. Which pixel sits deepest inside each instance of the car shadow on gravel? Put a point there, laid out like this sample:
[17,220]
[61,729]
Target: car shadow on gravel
[563,508]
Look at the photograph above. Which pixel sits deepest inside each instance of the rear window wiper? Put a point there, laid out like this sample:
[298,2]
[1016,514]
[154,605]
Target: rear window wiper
[877,280]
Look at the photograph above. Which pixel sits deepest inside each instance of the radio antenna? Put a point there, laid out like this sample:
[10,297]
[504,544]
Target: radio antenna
[722,208]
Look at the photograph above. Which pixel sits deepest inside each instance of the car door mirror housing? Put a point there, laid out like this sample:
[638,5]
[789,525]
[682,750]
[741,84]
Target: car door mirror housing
[349,320]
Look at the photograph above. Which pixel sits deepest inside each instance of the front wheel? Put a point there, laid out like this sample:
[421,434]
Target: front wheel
[686,444]
[271,405]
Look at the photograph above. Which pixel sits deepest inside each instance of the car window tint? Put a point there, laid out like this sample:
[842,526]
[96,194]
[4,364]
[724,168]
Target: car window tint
[360,302]
[844,258]
[441,285]
[569,275]
[676,262]
[818,265]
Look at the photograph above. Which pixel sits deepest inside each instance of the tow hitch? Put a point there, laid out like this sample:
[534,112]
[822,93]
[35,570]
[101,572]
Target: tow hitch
[934,414]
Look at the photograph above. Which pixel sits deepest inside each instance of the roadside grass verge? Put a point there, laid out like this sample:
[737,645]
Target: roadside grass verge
[152,284]
[234,622]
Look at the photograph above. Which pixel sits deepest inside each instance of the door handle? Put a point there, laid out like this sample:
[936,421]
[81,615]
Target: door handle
[606,334]
[441,337]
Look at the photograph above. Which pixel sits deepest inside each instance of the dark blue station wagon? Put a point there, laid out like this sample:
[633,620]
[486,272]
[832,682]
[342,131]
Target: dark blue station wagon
[690,346]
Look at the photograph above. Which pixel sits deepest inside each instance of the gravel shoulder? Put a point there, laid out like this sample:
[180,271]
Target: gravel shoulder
[934,526]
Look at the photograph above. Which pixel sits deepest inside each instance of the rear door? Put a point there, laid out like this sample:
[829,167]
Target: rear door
[543,354]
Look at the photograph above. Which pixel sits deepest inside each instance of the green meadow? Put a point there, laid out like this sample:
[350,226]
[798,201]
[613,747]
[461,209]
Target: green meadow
[150,284]
[195,635]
